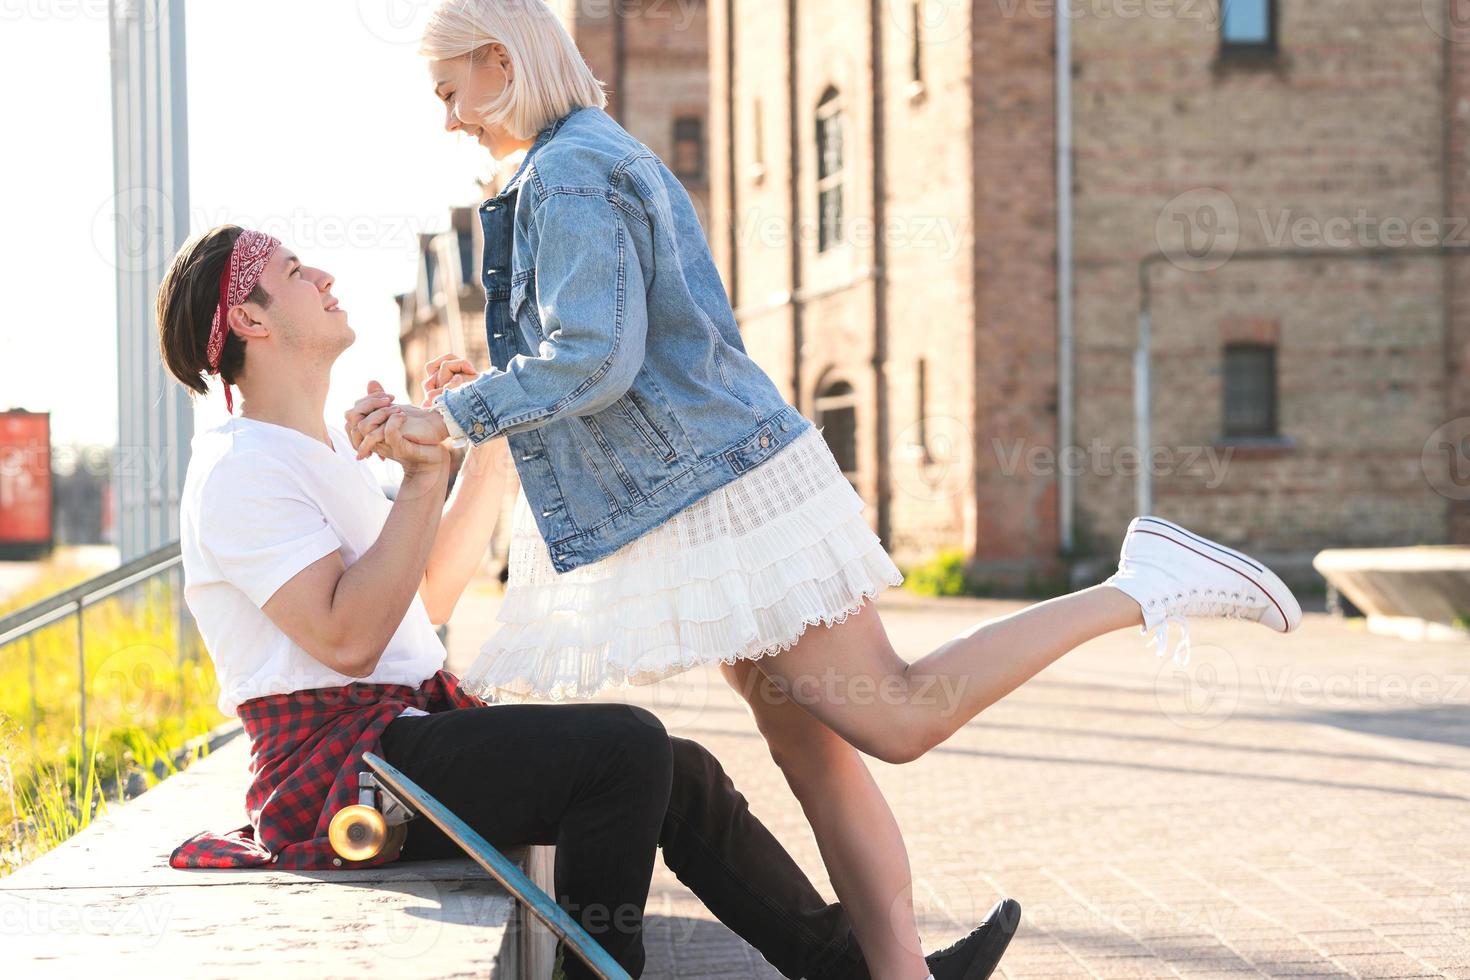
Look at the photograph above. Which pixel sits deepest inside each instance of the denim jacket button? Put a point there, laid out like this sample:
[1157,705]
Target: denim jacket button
[479,427]
[765,441]
[783,426]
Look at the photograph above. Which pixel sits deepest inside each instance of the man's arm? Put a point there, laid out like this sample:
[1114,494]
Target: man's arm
[468,522]
[345,615]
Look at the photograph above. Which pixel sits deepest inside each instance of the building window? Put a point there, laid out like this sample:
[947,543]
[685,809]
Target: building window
[689,148]
[431,273]
[836,410]
[465,239]
[1247,25]
[923,410]
[916,54]
[758,166]
[1250,391]
[829,170]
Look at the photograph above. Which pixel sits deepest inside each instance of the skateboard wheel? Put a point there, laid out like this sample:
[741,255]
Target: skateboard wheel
[358,832]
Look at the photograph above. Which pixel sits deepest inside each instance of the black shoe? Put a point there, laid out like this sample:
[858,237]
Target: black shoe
[976,956]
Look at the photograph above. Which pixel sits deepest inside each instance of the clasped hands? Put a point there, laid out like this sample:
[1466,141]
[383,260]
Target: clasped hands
[411,435]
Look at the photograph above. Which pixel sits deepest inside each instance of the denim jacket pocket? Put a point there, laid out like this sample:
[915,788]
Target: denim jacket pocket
[524,315]
[638,419]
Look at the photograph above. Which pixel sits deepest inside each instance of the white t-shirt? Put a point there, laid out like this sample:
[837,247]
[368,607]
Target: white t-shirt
[261,502]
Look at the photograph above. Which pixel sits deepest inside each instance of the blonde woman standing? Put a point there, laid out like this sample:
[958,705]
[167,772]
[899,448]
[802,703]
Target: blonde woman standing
[676,511]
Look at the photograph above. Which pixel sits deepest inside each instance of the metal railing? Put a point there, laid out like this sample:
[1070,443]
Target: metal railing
[24,623]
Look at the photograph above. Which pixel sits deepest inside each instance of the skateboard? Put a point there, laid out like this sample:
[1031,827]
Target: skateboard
[387,800]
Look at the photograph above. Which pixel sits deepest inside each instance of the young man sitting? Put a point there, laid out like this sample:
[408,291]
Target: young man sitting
[316,597]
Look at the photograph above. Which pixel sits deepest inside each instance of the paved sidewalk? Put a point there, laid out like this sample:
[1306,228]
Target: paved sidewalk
[1286,806]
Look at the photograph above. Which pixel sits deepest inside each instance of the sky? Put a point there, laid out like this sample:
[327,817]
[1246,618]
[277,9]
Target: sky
[313,121]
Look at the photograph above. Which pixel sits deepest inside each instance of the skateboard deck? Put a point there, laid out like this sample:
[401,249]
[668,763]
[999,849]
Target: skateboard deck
[501,868]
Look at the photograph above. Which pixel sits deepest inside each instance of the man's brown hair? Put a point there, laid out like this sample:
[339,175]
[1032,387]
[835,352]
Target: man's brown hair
[186,302]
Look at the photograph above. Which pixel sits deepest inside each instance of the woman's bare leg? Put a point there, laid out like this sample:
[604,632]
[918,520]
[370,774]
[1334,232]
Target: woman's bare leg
[848,676]
[855,830]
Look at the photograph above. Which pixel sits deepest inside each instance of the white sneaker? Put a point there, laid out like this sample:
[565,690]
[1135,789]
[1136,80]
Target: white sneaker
[1173,573]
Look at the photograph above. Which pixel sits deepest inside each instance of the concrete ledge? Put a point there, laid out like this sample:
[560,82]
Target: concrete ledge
[108,899]
[1415,593]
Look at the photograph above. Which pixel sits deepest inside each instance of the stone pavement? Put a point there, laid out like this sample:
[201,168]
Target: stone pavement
[1285,806]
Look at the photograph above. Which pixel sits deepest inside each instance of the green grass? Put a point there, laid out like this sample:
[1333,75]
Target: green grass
[942,575]
[149,691]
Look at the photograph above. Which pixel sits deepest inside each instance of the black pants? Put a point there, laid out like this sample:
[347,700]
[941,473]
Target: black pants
[608,786]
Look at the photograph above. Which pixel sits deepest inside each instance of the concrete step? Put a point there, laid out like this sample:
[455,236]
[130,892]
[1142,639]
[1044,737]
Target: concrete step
[107,897]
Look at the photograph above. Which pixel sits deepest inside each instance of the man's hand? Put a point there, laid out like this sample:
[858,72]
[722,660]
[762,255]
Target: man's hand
[405,430]
[375,400]
[445,372]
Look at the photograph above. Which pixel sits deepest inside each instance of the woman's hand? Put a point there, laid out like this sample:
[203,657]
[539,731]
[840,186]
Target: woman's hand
[445,372]
[422,426]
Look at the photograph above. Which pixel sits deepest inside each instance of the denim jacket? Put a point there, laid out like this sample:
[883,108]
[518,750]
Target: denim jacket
[617,372]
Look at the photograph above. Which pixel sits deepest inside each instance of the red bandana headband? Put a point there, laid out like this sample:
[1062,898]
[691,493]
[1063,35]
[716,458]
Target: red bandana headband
[248,258]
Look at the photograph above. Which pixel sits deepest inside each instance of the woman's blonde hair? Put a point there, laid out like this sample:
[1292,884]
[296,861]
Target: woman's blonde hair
[550,78]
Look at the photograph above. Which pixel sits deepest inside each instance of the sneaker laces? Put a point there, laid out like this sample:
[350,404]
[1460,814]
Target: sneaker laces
[1181,605]
[1160,639]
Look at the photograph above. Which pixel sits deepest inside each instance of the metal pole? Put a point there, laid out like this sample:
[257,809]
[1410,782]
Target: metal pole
[82,681]
[150,210]
[1066,480]
[35,707]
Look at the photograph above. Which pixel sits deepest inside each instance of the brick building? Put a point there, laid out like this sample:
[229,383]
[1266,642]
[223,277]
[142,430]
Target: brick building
[1276,198]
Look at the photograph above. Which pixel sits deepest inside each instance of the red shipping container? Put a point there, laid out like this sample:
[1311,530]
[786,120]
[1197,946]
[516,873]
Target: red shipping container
[25,478]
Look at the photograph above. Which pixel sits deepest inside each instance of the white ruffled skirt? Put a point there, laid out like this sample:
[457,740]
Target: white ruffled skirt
[738,574]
